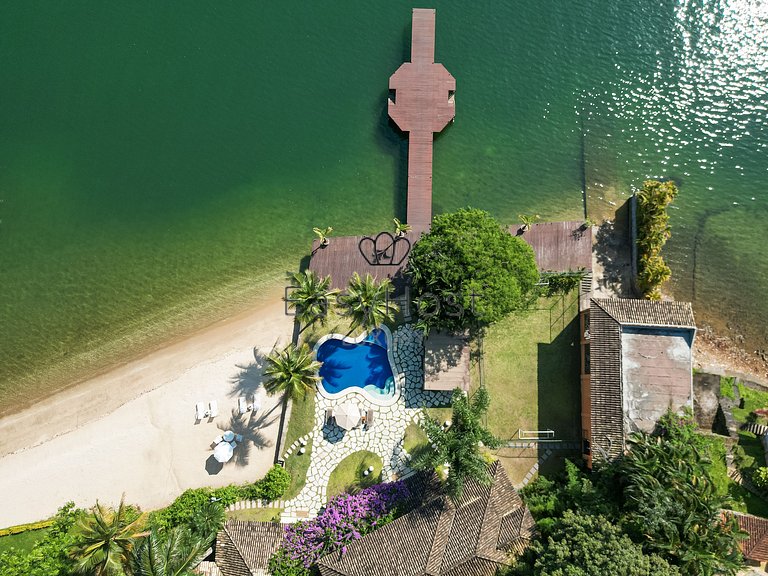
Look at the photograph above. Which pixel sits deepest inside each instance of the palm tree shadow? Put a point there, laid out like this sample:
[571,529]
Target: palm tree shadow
[250,426]
[250,378]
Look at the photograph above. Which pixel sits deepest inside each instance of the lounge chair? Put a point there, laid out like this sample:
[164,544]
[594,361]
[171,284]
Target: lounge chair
[217,440]
[238,438]
[329,416]
[369,419]
[256,403]
[200,412]
[213,409]
[242,405]
[233,444]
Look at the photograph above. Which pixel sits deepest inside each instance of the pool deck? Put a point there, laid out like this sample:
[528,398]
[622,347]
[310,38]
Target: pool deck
[422,105]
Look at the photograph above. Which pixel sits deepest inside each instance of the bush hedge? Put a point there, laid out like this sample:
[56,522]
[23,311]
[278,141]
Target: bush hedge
[271,487]
[652,233]
[26,527]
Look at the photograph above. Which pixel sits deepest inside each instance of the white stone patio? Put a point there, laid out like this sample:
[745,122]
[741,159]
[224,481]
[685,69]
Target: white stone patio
[329,445]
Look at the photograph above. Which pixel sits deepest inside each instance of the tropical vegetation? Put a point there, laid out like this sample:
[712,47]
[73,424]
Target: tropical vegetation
[664,496]
[291,371]
[401,229]
[458,447]
[345,518]
[311,297]
[366,303]
[323,234]
[468,272]
[653,231]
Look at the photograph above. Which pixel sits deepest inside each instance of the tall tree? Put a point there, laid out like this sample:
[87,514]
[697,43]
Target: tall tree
[459,445]
[367,303]
[586,545]
[291,371]
[173,553]
[468,272]
[311,297]
[104,539]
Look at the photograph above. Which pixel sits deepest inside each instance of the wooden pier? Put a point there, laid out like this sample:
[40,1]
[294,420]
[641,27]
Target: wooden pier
[423,104]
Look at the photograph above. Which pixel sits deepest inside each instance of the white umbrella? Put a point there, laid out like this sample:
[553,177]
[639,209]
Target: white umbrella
[223,452]
[347,415]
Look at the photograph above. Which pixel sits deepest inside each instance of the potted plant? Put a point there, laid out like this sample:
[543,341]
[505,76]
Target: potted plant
[400,228]
[588,223]
[527,221]
[322,234]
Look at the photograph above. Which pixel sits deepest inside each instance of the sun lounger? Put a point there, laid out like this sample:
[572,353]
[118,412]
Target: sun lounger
[239,438]
[213,409]
[233,444]
[200,412]
[242,405]
[218,439]
[369,419]
[329,415]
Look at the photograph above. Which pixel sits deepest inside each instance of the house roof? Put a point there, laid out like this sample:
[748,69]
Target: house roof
[244,548]
[755,547]
[470,538]
[635,312]
[640,365]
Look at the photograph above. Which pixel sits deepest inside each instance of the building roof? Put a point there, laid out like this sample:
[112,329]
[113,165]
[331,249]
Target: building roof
[244,548]
[635,312]
[755,547]
[559,246]
[381,256]
[446,362]
[640,366]
[472,538]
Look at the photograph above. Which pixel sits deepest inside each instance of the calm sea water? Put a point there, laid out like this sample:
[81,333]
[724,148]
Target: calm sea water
[160,166]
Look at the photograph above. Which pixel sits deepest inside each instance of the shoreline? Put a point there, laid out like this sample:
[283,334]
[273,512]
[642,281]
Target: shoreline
[722,355]
[95,397]
[132,430]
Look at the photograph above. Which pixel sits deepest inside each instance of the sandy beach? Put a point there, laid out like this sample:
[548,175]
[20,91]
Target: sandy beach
[133,429]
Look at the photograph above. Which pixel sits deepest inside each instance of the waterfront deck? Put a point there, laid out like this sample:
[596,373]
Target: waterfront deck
[422,105]
[559,246]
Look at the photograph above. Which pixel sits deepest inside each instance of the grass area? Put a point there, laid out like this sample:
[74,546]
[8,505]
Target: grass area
[256,514]
[750,400]
[348,475]
[414,437]
[532,370]
[24,541]
[726,387]
[297,466]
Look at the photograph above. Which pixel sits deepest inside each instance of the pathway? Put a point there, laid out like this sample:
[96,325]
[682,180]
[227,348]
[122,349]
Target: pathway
[329,445]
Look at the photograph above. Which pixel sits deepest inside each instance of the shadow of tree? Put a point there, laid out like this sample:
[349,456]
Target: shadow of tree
[612,252]
[250,426]
[250,378]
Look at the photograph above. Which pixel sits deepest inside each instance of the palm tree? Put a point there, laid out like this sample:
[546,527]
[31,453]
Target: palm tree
[104,539]
[459,446]
[528,220]
[208,520]
[401,229]
[367,302]
[310,297]
[174,553]
[291,371]
[322,234]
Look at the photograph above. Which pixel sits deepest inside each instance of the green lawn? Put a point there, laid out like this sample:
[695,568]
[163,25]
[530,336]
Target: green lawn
[531,370]
[302,421]
[752,400]
[256,514]
[348,475]
[24,541]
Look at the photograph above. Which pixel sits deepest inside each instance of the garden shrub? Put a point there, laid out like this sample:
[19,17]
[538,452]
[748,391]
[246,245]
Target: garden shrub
[346,518]
[561,283]
[760,478]
[652,233]
[26,527]
[274,484]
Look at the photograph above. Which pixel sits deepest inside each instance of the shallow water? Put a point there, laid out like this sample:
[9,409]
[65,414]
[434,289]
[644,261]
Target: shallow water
[159,165]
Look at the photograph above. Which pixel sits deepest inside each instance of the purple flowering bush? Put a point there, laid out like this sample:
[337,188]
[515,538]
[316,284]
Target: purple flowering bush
[346,518]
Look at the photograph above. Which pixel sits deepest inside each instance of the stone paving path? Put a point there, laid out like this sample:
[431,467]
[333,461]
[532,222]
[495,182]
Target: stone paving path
[329,445]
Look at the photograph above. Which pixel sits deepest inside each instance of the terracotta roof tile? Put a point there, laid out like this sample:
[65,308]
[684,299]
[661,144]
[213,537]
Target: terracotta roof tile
[756,546]
[244,548]
[635,312]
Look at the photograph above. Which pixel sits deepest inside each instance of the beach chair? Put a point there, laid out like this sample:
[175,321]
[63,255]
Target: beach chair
[369,419]
[217,440]
[329,416]
[213,409]
[200,412]
[256,406]
[242,405]
[233,444]
[238,438]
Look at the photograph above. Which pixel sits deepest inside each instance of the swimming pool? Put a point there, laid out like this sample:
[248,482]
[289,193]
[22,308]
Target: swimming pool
[363,365]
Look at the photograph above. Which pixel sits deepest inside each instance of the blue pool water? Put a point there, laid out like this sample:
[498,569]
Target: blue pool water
[356,365]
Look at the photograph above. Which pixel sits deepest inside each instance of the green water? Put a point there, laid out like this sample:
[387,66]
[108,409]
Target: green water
[161,166]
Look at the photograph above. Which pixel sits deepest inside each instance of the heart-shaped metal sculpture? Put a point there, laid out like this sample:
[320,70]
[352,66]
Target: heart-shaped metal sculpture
[384,249]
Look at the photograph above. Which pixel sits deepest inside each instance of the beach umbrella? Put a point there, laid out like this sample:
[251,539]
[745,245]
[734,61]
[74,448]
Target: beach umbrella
[223,452]
[347,415]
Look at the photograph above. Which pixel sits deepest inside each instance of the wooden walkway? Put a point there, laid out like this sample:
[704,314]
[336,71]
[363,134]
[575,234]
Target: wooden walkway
[559,246]
[423,104]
